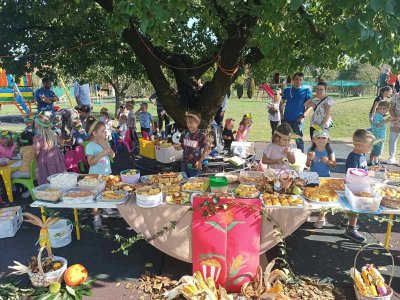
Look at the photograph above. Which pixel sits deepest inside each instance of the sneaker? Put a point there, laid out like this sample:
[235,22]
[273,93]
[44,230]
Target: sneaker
[319,223]
[26,194]
[343,224]
[109,213]
[97,224]
[391,161]
[353,234]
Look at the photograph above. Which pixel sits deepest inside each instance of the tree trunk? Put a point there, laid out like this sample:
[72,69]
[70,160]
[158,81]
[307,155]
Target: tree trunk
[176,103]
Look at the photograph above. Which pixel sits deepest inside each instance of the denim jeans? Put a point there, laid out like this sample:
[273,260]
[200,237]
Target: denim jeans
[297,128]
[393,137]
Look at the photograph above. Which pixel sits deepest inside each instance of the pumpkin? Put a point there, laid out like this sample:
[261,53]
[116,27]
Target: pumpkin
[75,275]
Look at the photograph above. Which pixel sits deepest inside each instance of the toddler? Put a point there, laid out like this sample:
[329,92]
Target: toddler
[7,146]
[244,128]
[227,134]
[379,130]
[145,120]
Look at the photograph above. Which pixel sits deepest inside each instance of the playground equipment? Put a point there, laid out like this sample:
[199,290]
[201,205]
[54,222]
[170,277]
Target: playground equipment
[18,92]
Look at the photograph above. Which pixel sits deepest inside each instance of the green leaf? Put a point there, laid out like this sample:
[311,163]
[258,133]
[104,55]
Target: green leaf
[377,5]
[215,225]
[295,4]
[70,290]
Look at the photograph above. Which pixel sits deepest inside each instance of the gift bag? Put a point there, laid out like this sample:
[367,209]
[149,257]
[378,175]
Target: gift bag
[226,240]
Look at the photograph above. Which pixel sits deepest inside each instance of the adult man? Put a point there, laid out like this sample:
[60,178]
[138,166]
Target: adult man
[45,97]
[294,111]
[219,117]
[82,93]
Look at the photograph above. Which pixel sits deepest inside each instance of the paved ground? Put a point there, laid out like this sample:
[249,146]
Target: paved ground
[323,253]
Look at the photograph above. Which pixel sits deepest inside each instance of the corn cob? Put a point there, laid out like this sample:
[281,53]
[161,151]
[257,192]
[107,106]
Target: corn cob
[211,285]
[200,281]
[359,282]
[368,281]
[189,290]
[378,279]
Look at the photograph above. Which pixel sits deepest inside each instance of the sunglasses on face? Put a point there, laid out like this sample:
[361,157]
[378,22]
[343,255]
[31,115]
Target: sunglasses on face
[321,89]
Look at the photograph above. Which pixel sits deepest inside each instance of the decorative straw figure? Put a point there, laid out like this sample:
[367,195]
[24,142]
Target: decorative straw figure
[44,232]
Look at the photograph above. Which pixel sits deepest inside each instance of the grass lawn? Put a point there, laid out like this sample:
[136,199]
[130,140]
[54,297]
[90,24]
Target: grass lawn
[349,114]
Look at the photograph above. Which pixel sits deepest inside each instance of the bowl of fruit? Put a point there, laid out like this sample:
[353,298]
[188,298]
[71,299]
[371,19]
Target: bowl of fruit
[130,176]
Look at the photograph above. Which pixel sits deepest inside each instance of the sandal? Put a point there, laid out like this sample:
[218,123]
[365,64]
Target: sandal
[319,223]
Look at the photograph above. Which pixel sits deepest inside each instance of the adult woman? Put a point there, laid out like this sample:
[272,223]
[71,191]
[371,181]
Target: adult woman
[384,93]
[322,104]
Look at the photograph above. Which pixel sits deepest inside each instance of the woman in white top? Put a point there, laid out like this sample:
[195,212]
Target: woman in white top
[322,104]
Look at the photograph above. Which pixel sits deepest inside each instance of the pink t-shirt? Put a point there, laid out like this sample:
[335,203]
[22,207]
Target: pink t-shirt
[240,137]
[7,152]
[274,151]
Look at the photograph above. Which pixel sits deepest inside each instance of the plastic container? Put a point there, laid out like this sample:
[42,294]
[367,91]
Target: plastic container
[131,179]
[218,184]
[60,233]
[357,176]
[167,155]
[251,177]
[92,184]
[359,203]
[300,161]
[66,180]
[78,200]
[148,201]
[147,149]
[43,192]
[10,221]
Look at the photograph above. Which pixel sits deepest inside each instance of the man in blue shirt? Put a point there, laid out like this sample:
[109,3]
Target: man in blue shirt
[294,111]
[45,97]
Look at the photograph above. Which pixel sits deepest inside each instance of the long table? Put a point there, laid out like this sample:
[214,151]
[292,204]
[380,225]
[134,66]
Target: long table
[177,242]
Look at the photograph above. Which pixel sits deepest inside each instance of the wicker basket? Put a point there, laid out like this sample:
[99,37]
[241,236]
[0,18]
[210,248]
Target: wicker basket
[390,203]
[359,296]
[41,279]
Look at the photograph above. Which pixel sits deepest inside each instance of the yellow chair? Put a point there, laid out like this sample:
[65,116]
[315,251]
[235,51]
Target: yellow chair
[29,183]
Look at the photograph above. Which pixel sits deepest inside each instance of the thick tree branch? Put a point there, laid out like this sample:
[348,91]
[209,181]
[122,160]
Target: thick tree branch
[316,33]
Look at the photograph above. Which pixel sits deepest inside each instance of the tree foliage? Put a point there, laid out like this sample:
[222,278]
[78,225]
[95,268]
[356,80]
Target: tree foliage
[187,38]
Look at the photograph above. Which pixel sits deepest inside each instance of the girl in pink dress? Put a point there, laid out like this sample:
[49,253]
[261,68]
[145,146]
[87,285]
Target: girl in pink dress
[244,128]
[49,157]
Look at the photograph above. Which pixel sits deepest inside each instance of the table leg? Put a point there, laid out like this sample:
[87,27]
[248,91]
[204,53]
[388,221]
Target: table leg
[7,185]
[388,232]
[43,214]
[78,231]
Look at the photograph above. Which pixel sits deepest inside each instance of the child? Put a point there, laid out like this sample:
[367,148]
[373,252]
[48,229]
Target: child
[46,146]
[379,130]
[227,134]
[278,154]
[131,116]
[98,153]
[244,128]
[321,159]
[27,156]
[362,141]
[122,112]
[274,114]
[29,123]
[7,145]
[123,127]
[104,117]
[145,120]
[195,145]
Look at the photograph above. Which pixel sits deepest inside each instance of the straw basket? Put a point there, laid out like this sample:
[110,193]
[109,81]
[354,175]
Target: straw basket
[359,296]
[41,279]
